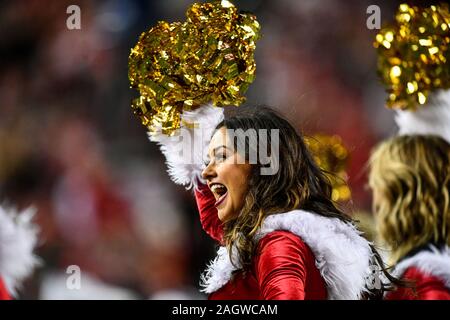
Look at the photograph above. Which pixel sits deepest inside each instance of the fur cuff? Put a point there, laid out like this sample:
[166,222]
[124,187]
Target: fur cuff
[18,239]
[342,255]
[186,150]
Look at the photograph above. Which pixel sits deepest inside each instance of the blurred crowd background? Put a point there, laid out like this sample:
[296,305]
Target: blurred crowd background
[71,147]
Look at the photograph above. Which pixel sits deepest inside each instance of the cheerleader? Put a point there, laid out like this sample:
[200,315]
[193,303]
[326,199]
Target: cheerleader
[410,179]
[281,235]
[410,174]
[18,238]
[260,194]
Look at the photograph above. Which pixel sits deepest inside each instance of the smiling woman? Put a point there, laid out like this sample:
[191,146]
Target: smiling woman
[227,175]
[281,235]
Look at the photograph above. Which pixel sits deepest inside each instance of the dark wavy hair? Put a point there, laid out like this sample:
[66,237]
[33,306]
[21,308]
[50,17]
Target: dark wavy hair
[299,183]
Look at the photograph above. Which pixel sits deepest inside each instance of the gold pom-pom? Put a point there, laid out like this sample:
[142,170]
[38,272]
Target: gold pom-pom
[414,55]
[180,66]
[332,156]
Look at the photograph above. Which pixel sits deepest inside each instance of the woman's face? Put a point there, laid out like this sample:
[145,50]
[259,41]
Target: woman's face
[227,175]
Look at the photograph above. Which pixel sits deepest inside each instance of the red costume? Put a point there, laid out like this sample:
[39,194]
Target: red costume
[429,270]
[300,255]
[4,294]
[284,267]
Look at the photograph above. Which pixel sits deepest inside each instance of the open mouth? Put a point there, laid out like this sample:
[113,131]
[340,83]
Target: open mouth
[220,192]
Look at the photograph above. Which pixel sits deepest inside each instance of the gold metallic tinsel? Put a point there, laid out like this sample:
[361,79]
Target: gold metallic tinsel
[414,54]
[180,66]
[331,155]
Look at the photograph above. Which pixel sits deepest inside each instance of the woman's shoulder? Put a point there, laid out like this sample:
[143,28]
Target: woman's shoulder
[311,230]
[342,255]
[423,278]
[283,241]
[282,236]
[426,286]
[428,268]
[430,260]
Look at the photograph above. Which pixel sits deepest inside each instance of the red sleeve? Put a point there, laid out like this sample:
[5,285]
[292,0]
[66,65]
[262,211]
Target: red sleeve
[208,212]
[4,295]
[281,266]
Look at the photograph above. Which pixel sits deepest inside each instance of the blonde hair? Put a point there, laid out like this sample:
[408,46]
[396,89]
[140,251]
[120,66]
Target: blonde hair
[410,178]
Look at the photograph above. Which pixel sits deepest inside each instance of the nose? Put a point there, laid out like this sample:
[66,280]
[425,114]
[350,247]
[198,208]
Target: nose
[209,172]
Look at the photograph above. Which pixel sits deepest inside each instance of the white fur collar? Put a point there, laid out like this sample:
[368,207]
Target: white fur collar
[435,262]
[342,255]
[18,238]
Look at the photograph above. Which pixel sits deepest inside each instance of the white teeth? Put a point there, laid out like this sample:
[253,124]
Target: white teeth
[216,187]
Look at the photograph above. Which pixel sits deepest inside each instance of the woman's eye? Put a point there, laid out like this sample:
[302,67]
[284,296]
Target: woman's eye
[221,157]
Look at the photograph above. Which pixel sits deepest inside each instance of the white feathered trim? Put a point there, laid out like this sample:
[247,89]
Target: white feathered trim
[343,256]
[186,150]
[18,239]
[431,118]
[435,263]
